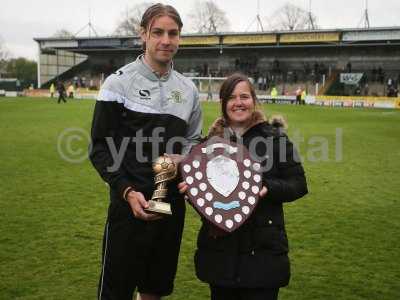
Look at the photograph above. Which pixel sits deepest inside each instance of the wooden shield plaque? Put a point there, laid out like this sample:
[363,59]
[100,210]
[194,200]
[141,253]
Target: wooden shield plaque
[224,182]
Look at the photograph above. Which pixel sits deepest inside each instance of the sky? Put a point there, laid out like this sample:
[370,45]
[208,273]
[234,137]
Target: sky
[22,20]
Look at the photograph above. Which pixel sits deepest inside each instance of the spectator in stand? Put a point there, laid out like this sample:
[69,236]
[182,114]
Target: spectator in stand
[366,89]
[313,77]
[307,69]
[260,83]
[83,82]
[283,91]
[364,79]
[267,81]
[61,92]
[374,72]
[275,66]
[389,82]
[348,67]
[381,75]
[316,68]
[323,69]
[237,64]
[358,90]
[265,84]
[392,92]
[206,70]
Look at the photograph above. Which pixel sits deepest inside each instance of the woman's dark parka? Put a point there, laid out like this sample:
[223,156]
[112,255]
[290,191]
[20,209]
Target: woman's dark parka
[256,254]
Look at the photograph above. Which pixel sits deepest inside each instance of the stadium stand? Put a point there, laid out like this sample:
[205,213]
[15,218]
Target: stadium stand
[312,60]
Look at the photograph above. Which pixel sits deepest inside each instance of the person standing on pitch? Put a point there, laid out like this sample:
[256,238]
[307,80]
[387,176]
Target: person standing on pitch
[71,90]
[251,263]
[303,97]
[61,92]
[143,110]
[298,95]
[52,90]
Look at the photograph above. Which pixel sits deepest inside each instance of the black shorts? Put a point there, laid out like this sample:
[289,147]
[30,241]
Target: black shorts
[226,293]
[138,254]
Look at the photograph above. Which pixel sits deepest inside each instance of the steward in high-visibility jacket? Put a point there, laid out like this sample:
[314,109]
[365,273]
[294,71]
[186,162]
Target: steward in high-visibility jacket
[303,97]
[52,90]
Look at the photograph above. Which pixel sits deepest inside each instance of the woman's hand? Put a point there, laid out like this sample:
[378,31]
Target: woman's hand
[263,191]
[182,187]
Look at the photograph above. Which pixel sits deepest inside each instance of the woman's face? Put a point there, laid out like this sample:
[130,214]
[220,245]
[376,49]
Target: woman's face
[240,105]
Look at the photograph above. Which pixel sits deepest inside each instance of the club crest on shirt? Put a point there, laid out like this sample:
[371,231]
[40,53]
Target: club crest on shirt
[176,97]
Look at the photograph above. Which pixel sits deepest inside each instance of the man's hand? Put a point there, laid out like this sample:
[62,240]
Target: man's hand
[138,203]
[176,158]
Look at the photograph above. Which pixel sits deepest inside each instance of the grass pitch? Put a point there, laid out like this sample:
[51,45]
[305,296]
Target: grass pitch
[344,236]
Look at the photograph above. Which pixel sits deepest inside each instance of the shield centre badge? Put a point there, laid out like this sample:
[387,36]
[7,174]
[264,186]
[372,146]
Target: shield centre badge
[223,182]
[223,174]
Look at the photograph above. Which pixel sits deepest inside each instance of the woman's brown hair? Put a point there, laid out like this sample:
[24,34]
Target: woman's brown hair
[227,88]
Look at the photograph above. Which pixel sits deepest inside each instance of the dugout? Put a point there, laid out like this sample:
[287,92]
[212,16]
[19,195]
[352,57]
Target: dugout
[10,86]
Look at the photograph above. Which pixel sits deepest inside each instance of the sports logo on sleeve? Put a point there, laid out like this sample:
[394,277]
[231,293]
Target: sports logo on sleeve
[144,95]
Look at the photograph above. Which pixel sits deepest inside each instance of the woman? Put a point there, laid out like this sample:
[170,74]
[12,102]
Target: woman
[252,262]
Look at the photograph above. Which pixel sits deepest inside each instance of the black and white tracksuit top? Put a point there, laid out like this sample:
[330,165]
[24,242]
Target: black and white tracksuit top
[137,117]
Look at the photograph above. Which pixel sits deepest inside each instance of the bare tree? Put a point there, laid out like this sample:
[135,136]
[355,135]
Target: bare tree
[292,17]
[207,17]
[4,55]
[130,19]
[63,33]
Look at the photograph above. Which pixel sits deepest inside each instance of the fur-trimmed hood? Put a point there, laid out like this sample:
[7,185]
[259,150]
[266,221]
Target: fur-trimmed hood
[219,125]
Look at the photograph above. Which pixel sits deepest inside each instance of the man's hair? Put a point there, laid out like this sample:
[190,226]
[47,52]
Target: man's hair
[159,10]
[156,11]
[227,88]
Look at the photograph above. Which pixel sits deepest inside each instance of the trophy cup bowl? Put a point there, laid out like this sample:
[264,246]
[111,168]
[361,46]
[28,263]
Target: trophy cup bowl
[165,170]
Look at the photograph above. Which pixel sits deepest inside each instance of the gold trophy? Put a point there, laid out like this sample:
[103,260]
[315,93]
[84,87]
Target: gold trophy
[165,170]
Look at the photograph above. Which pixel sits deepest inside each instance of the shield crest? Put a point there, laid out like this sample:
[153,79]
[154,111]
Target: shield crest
[223,174]
[224,182]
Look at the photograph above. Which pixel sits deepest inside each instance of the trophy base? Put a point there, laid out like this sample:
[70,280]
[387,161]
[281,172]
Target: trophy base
[159,207]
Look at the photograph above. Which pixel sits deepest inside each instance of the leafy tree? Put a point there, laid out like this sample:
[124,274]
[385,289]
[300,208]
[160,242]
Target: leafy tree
[23,69]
